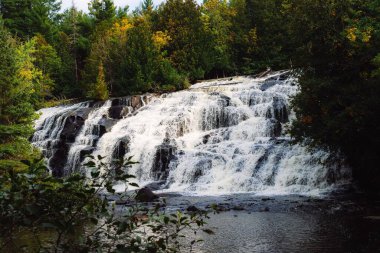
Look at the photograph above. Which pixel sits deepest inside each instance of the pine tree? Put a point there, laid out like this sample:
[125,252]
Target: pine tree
[101,90]
[17,87]
[147,5]
[102,10]
[26,18]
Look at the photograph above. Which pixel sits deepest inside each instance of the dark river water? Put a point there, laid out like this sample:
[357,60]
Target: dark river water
[247,223]
[288,224]
[237,231]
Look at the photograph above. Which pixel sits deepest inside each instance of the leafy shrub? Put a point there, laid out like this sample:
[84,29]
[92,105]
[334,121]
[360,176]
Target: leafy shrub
[78,217]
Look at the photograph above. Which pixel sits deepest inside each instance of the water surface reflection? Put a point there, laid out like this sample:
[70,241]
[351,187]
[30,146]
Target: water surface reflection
[289,232]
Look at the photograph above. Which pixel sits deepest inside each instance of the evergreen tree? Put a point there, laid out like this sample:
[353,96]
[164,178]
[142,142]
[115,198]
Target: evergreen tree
[102,10]
[74,44]
[189,48]
[218,20]
[18,85]
[100,89]
[26,18]
[147,5]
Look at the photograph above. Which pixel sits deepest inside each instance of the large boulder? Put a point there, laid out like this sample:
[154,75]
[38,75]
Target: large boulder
[145,195]
[114,112]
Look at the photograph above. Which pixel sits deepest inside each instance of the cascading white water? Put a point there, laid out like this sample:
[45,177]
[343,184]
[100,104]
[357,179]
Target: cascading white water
[220,136]
[87,137]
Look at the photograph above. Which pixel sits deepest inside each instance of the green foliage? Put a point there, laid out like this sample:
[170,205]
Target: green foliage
[73,43]
[47,59]
[20,84]
[102,10]
[189,48]
[31,204]
[100,90]
[338,105]
[147,5]
[217,20]
[29,17]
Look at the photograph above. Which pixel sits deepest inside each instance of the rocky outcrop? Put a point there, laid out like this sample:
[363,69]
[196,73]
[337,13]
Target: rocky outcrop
[145,195]
[71,128]
[122,107]
[57,136]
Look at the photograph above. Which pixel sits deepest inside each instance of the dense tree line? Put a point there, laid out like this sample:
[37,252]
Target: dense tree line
[153,48]
[111,51]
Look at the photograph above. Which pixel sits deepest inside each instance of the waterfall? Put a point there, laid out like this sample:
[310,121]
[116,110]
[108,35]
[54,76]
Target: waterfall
[220,136]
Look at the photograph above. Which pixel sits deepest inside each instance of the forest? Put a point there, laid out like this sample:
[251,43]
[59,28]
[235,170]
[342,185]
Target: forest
[48,56]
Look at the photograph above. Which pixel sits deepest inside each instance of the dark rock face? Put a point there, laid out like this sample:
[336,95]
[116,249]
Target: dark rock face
[192,209]
[206,138]
[72,127]
[268,83]
[145,195]
[154,186]
[120,149]
[60,148]
[273,80]
[59,157]
[164,154]
[280,110]
[57,137]
[115,112]
[86,151]
[122,107]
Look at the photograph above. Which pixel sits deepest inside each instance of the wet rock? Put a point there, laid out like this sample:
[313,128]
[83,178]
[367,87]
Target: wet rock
[280,110]
[192,209]
[268,83]
[107,123]
[219,207]
[136,102]
[266,199]
[276,128]
[206,138]
[164,154]
[197,174]
[101,130]
[145,195]
[120,149]
[115,102]
[238,208]
[225,100]
[86,151]
[114,112]
[122,202]
[71,129]
[96,104]
[154,186]
[83,112]
[59,157]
